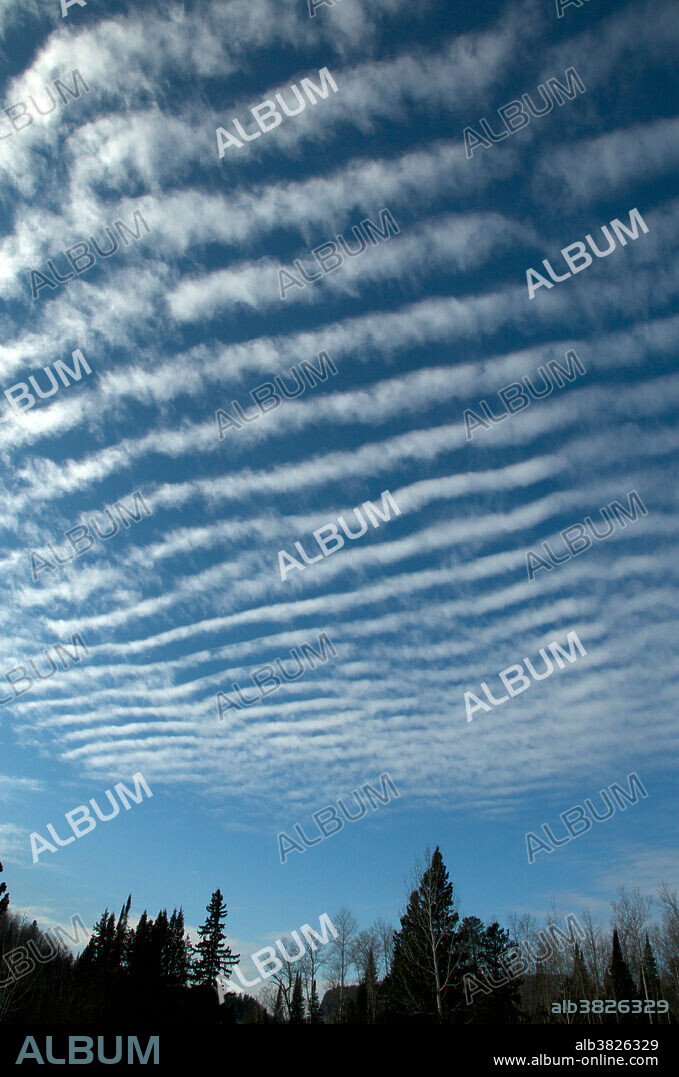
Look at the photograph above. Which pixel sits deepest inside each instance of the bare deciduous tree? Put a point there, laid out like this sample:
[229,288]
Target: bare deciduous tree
[362,944]
[631,915]
[340,953]
[309,966]
[384,950]
[283,978]
[595,950]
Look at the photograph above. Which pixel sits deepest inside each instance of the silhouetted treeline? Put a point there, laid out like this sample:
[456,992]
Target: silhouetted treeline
[434,968]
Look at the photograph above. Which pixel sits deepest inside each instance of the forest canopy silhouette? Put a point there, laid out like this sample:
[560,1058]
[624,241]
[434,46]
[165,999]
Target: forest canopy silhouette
[435,967]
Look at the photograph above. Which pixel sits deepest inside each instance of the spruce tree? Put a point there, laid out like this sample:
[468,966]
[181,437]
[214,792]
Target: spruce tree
[370,980]
[101,945]
[122,934]
[297,1004]
[214,957]
[619,983]
[578,985]
[4,896]
[427,963]
[160,947]
[140,951]
[279,1009]
[87,959]
[502,1004]
[178,960]
[315,1014]
[470,940]
[649,980]
[99,954]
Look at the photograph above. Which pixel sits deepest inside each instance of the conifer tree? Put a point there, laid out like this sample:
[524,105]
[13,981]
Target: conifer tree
[98,954]
[4,896]
[501,1005]
[578,985]
[370,981]
[649,980]
[279,1009]
[619,983]
[87,960]
[160,947]
[178,960]
[214,957]
[470,940]
[141,949]
[427,962]
[297,1004]
[315,1014]
[122,935]
[103,937]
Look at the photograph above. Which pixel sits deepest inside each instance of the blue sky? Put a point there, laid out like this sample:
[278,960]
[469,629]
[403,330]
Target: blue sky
[421,327]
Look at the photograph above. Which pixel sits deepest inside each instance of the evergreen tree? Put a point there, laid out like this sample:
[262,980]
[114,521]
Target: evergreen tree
[4,896]
[86,961]
[108,943]
[214,957]
[100,950]
[370,981]
[160,947]
[122,935]
[649,980]
[501,1005]
[178,961]
[279,1008]
[297,1004]
[619,983]
[578,985]
[140,952]
[470,942]
[427,963]
[315,1015]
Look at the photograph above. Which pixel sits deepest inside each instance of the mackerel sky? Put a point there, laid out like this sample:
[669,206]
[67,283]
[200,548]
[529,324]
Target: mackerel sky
[421,327]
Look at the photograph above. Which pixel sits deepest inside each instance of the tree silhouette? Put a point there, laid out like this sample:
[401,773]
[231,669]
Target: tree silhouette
[315,1014]
[279,1008]
[297,1004]
[619,983]
[370,981]
[178,961]
[143,973]
[100,953]
[578,984]
[501,1005]
[214,957]
[649,980]
[121,936]
[427,962]
[141,950]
